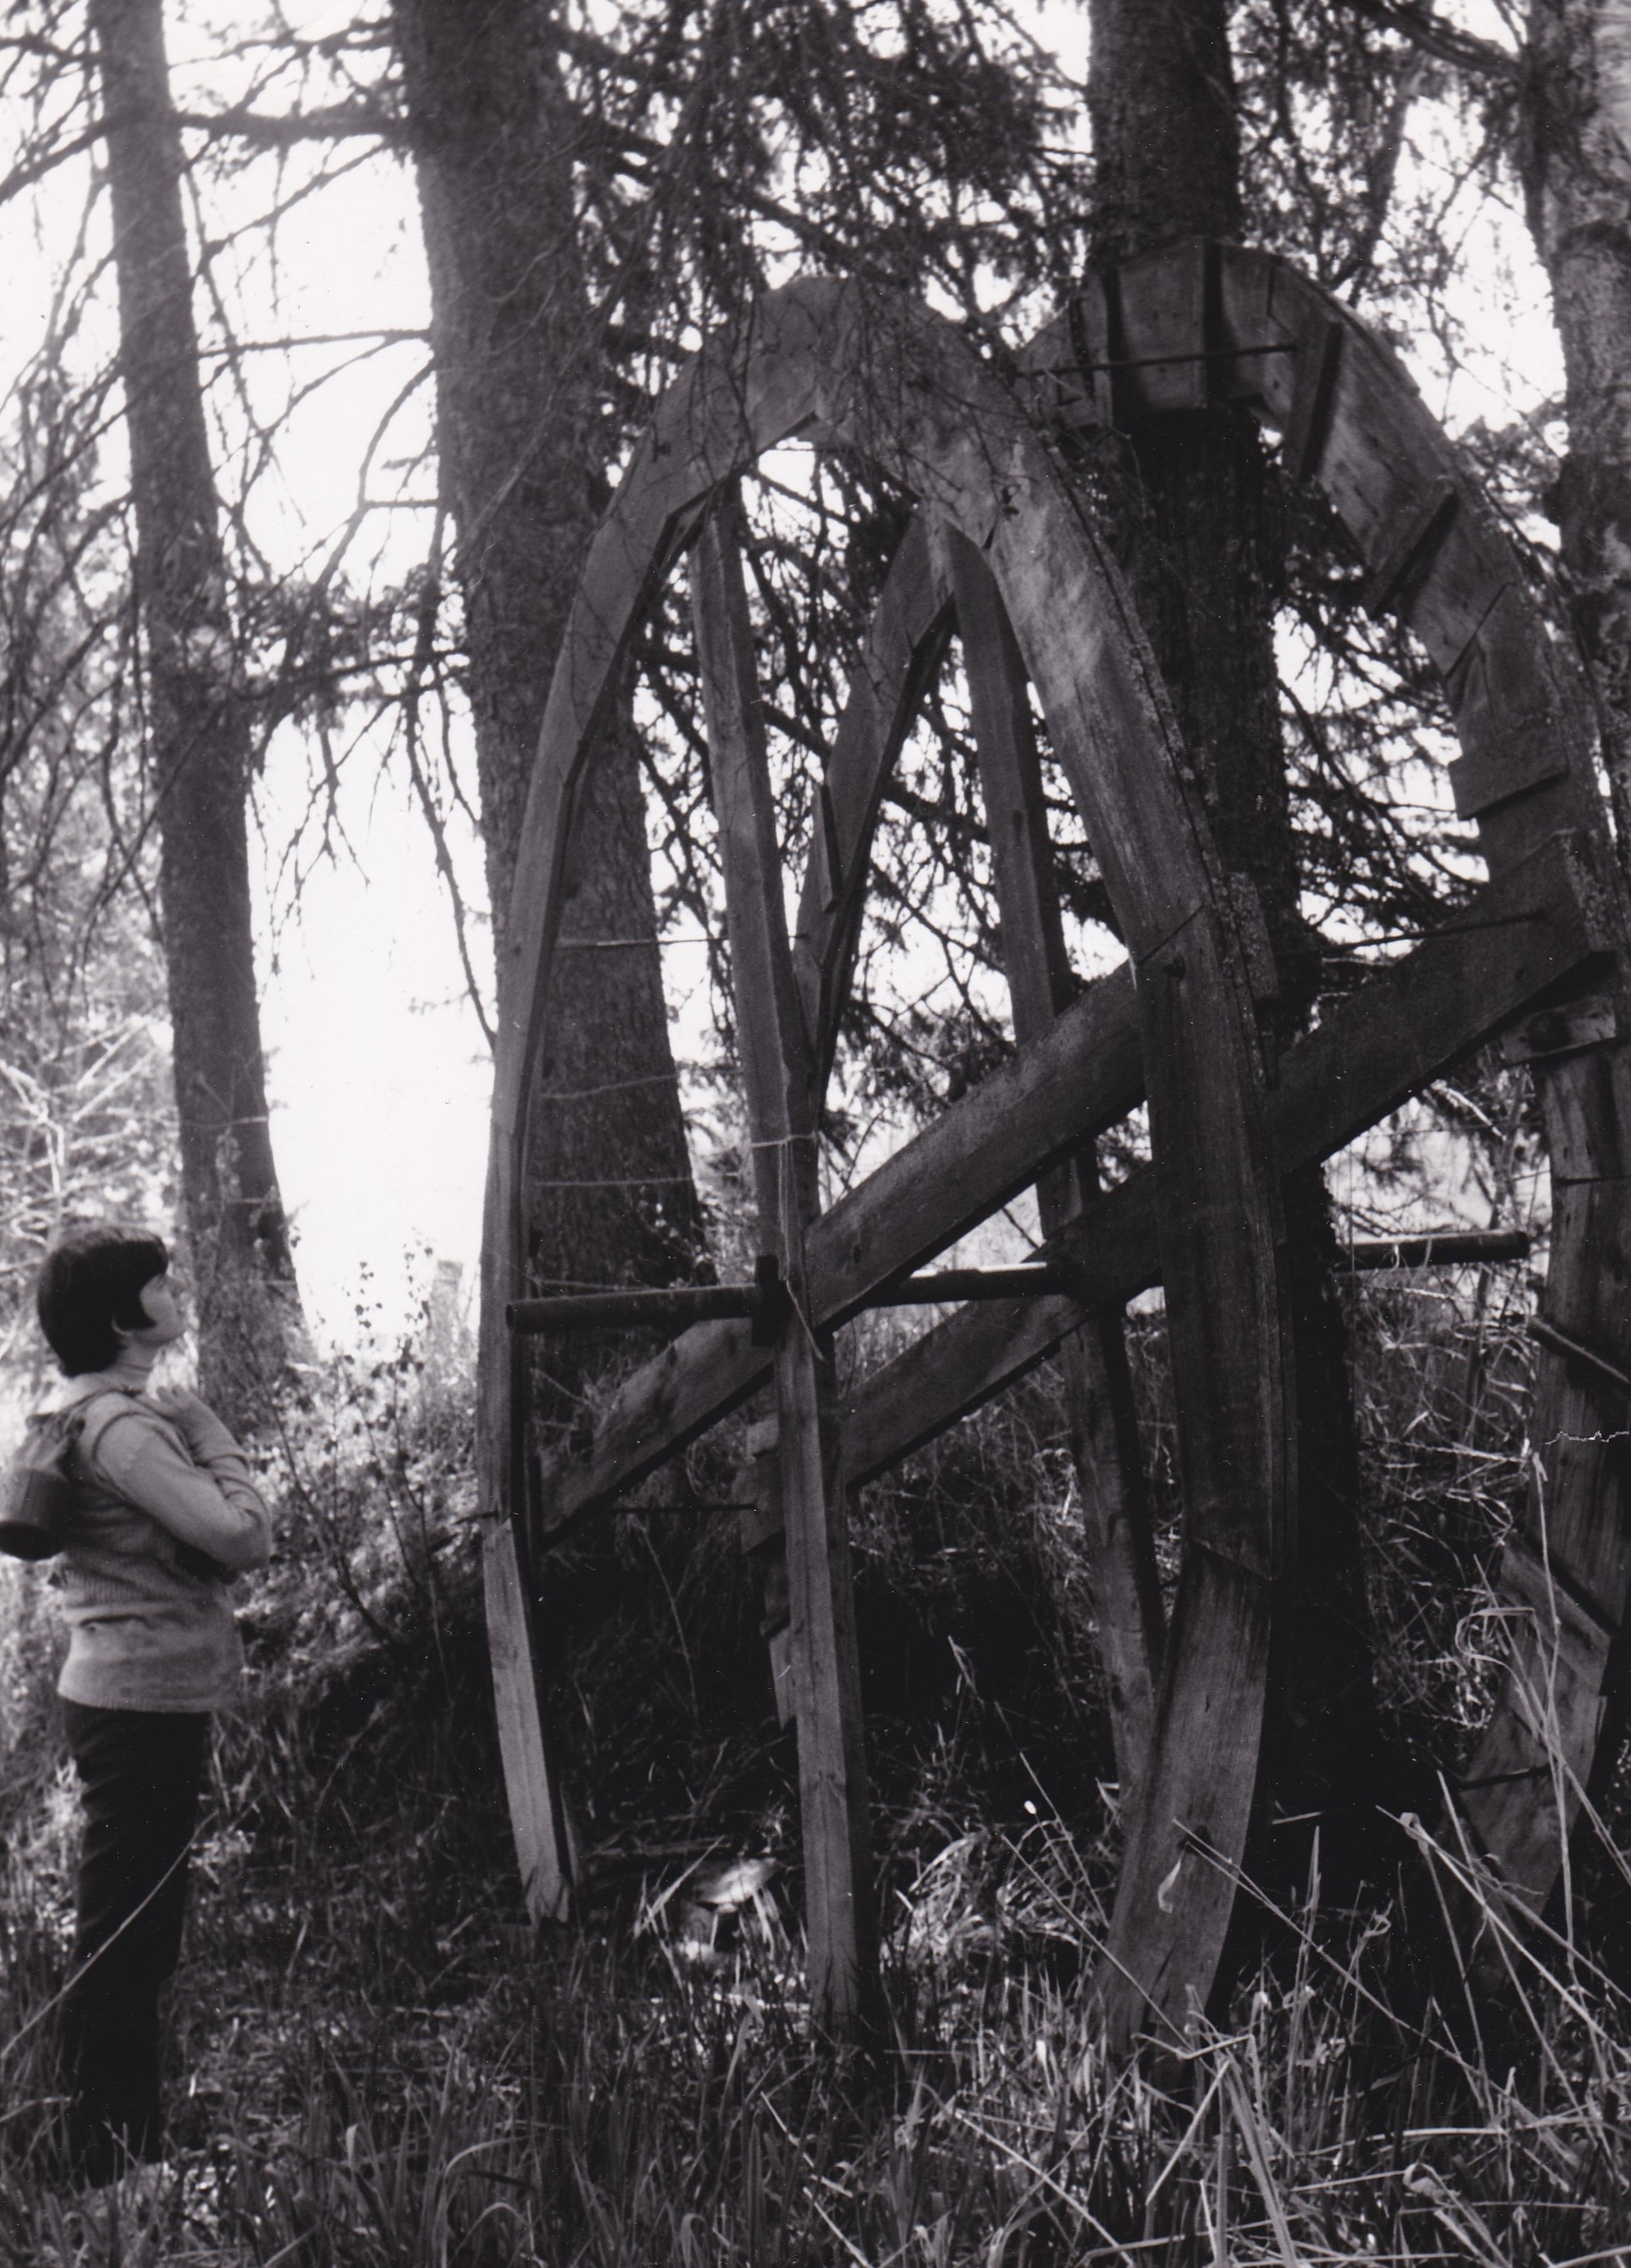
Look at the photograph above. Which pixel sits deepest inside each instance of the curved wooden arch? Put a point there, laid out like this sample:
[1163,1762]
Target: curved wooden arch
[872,371]
[1199,323]
[936,579]
[1548,923]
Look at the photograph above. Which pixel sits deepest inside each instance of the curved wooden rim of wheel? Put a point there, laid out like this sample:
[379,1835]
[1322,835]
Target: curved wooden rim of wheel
[875,373]
[1201,322]
[871,370]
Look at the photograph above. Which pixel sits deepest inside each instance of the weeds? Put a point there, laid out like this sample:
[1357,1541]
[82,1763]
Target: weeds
[377,2064]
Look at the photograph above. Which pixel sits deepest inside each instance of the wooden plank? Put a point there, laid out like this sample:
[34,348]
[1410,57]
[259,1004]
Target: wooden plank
[1384,458]
[905,644]
[1111,1251]
[531,1784]
[1084,1073]
[1222,1245]
[760,1531]
[1568,1615]
[1532,929]
[1103,1425]
[1588,1022]
[1424,1012]
[1033,940]
[779,1075]
[1313,403]
[1067,366]
[1183,1851]
[1256,344]
[533,1790]
[1409,553]
[1380,448]
[1408,1025]
[1511,731]
[1158,329]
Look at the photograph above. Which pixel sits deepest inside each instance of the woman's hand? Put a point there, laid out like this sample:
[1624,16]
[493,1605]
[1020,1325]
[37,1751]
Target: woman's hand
[195,1421]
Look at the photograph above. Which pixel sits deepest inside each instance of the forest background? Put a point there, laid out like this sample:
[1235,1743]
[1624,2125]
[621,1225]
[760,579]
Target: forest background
[310,313]
[290,519]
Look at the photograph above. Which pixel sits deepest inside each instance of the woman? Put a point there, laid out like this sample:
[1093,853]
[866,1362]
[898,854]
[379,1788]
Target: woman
[166,1516]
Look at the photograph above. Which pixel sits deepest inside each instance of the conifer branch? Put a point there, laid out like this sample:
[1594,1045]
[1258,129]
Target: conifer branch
[1448,43]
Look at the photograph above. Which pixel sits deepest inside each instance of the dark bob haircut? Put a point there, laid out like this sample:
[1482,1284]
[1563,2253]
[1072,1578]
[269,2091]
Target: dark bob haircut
[93,1280]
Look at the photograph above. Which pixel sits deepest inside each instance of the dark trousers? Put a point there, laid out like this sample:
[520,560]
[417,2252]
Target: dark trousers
[141,1772]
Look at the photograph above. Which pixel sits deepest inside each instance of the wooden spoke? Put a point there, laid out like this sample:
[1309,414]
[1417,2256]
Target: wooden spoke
[905,644]
[543,1847]
[1537,929]
[779,1073]
[1098,1390]
[1082,1074]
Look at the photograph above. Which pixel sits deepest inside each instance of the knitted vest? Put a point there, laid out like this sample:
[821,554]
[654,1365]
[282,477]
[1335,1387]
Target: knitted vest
[149,1625]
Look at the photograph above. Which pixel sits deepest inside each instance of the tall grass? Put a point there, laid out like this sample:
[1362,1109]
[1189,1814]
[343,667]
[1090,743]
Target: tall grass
[377,2064]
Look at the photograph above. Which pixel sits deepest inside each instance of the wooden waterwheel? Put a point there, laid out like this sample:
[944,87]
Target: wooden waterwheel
[1004,551]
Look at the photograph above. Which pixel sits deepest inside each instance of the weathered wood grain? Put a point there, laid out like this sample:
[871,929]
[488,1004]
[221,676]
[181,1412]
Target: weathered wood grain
[1111,1251]
[905,644]
[1082,1074]
[1128,1617]
[1527,934]
[779,1076]
[541,1849]
[1314,399]
[1409,554]
[1156,309]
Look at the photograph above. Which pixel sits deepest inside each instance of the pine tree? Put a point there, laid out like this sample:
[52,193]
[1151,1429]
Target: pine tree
[199,731]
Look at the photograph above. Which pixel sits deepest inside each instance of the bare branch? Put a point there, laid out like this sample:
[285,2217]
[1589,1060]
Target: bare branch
[266,130]
[1426,29]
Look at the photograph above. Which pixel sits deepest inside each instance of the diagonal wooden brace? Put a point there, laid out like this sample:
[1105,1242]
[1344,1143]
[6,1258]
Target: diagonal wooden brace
[1528,938]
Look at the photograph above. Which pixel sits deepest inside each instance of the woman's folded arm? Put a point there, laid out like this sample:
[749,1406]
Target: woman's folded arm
[213,1506]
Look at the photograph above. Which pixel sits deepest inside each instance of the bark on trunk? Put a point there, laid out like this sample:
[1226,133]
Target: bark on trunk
[201,743]
[1577,162]
[1195,523]
[520,397]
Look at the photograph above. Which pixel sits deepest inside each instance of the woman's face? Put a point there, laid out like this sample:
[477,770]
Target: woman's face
[159,1303]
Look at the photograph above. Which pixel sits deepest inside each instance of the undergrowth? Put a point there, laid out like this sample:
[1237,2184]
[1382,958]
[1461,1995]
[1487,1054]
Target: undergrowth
[376,2063]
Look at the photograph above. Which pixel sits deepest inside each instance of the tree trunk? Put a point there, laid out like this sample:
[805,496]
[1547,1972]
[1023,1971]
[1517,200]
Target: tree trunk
[199,729]
[1195,524]
[1577,164]
[520,430]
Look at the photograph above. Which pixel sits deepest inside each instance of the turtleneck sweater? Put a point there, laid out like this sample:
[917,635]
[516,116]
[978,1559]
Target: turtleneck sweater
[166,1516]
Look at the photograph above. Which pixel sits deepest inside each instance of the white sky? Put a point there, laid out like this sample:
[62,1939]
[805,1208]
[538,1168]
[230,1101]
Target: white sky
[377,1065]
